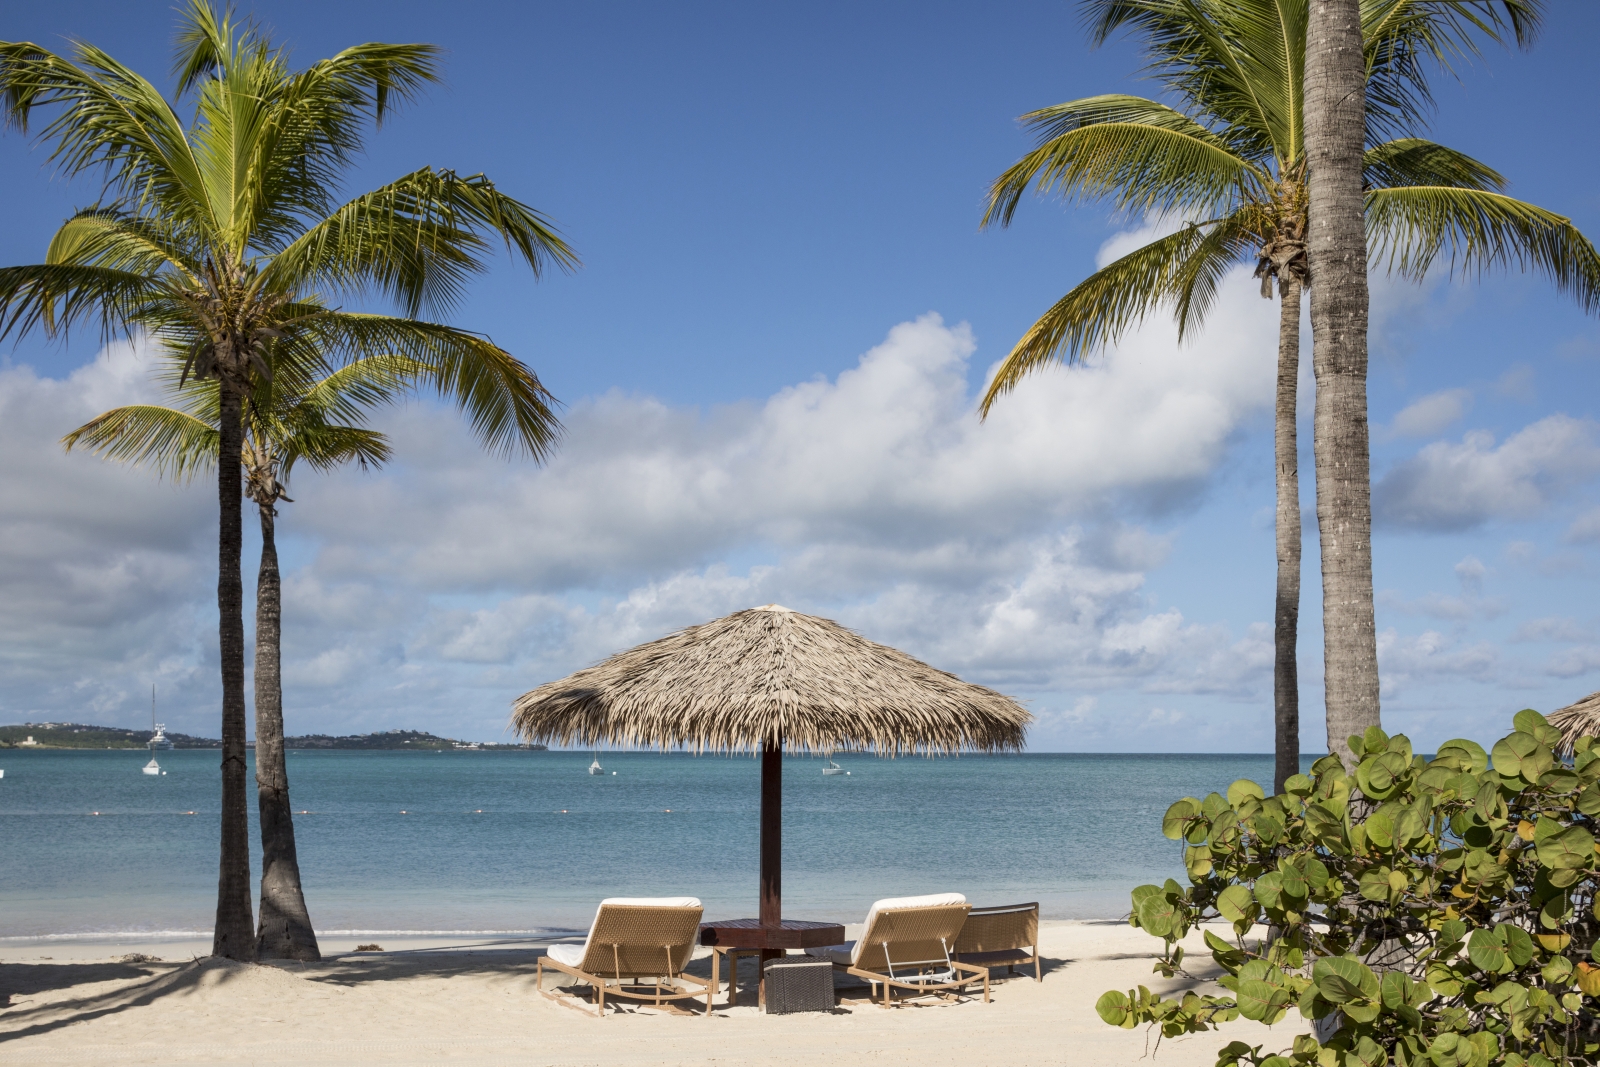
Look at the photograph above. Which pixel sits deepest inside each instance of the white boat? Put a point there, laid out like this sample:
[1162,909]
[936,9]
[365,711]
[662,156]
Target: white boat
[158,738]
[595,768]
[832,767]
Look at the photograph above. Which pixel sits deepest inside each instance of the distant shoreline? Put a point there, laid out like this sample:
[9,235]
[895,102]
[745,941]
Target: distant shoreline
[59,736]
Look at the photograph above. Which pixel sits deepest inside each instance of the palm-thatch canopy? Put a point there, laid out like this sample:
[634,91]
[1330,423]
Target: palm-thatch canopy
[1577,720]
[770,675]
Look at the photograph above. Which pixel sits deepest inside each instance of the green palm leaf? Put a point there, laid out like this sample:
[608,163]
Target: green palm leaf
[1413,227]
[54,297]
[417,240]
[174,443]
[1142,155]
[1179,267]
[506,405]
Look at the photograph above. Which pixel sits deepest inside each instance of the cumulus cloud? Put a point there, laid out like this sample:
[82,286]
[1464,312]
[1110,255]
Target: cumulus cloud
[103,570]
[1014,551]
[1457,486]
[1431,414]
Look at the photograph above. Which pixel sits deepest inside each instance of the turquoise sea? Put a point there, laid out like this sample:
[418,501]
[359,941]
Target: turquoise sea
[523,842]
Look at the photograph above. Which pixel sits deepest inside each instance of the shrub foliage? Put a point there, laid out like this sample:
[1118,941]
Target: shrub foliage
[1438,913]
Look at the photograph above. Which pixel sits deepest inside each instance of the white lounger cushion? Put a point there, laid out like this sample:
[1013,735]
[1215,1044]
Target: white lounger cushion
[571,955]
[850,951]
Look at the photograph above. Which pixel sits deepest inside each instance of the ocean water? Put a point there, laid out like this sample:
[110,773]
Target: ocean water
[518,842]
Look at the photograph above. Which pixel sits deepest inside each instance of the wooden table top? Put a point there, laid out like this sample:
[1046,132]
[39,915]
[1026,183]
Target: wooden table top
[749,933]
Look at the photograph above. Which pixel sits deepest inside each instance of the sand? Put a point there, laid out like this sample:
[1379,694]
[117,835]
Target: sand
[474,1002]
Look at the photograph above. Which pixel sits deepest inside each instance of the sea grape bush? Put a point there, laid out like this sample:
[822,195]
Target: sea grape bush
[1436,913]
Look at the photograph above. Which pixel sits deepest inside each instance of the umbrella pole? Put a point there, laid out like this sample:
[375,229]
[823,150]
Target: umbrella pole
[771,856]
[772,833]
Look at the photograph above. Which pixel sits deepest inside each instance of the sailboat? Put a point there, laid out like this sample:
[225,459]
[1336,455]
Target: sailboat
[832,767]
[595,768]
[158,737]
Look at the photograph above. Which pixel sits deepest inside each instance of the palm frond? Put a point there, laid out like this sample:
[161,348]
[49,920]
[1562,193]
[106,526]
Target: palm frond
[1142,155]
[175,443]
[1239,62]
[109,237]
[326,447]
[1415,161]
[109,119]
[418,239]
[1403,38]
[1117,296]
[507,406]
[1414,226]
[343,395]
[55,297]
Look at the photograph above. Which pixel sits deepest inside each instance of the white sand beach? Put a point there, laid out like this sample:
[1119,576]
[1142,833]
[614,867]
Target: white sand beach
[474,1002]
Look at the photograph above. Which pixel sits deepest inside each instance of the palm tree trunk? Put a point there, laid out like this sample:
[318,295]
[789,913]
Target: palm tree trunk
[285,931]
[1337,249]
[232,937]
[1286,617]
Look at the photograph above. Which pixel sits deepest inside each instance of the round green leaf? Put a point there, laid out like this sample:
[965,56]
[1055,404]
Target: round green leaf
[1571,848]
[1380,830]
[1486,949]
[1158,915]
[1114,1009]
[1177,816]
[1236,904]
[1244,787]
[1469,755]
[1262,1002]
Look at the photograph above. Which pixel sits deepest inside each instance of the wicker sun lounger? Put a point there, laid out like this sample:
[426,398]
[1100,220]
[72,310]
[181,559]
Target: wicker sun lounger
[1001,937]
[637,948]
[907,944]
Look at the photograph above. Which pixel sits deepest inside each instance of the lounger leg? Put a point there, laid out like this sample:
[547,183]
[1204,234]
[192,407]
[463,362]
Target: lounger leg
[600,1000]
[1038,967]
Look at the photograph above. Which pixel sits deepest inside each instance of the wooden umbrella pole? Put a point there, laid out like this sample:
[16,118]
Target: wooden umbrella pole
[772,833]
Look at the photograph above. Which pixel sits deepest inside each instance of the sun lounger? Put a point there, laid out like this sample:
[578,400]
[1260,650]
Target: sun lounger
[906,944]
[634,939]
[1001,937]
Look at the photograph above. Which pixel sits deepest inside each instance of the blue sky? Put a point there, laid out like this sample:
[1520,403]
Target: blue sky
[762,196]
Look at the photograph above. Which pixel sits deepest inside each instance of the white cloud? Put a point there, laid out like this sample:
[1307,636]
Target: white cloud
[1431,414]
[1585,529]
[1013,551]
[1553,628]
[103,569]
[1456,486]
[1517,383]
[1407,660]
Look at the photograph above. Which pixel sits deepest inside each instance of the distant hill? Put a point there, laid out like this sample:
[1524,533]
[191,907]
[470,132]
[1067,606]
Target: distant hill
[408,740]
[78,735]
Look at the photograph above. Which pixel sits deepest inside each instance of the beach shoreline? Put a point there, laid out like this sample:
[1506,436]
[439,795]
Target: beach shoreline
[473,1001]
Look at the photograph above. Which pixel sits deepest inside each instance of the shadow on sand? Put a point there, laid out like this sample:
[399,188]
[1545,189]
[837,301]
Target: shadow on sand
[103,988]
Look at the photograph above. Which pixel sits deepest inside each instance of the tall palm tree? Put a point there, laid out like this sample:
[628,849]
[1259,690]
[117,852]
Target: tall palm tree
[1230,156]
[286,421]
[222,236]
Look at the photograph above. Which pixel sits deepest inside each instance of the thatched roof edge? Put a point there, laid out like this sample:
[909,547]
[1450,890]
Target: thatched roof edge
[756,675]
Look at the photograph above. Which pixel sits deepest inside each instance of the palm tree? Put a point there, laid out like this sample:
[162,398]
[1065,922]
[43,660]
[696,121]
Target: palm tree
[222,237]
[1231,157]
[286,421]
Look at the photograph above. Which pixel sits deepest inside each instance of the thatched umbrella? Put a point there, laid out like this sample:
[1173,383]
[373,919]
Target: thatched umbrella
[762,679]
[1577,720]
